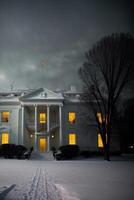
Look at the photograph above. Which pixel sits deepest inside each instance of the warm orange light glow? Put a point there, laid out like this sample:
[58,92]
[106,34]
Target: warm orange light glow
[99,117]
[42,118]
[72,117]
[5,138]
[42,144]
[5,117]
[100,143]
[72,138]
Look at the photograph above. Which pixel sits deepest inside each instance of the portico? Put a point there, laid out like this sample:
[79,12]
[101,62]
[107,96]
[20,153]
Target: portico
[41,121]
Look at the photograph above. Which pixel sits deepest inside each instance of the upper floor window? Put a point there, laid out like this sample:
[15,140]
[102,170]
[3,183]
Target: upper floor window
[42,118]
[72,117]
[99,117]
[5,117]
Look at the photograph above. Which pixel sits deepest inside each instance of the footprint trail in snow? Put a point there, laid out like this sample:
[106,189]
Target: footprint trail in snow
[41,187]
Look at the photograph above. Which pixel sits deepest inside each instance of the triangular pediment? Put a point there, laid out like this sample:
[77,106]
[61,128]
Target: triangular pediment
[42,94]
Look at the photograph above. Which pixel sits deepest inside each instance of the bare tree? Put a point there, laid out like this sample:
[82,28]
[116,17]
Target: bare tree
[105,74]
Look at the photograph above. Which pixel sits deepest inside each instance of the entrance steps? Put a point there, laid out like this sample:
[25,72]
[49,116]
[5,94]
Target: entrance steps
[36,155]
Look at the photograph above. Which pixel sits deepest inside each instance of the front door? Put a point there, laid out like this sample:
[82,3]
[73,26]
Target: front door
[42,144]
[5,138]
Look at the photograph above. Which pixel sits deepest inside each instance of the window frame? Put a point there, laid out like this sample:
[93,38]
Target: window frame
[99,117]
[74,120]
[99,141]
[8,116]
[42,120]
[72,139]
[2,134]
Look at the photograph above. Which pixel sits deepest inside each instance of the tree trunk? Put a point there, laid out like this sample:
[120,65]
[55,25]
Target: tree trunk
[107,147]
[107,153]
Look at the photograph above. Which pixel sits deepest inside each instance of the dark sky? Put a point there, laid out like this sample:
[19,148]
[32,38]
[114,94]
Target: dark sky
[42,42]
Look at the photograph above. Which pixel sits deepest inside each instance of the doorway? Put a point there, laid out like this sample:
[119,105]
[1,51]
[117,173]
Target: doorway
[42,144]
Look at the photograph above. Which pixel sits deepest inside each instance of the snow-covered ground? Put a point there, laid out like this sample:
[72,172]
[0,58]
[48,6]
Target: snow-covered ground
[66,180]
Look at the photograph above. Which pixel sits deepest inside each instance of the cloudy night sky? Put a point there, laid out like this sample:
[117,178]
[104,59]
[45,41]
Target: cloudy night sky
[42,42]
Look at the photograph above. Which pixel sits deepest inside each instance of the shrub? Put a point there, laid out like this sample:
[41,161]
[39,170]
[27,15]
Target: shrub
[8,150]
[12,150]
[20,150]
[85,153]
[69,151]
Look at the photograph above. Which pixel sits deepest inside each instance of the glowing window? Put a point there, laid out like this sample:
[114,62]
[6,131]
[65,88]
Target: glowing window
[72,138]
[42,144]
[42,118]
[99,117]
[5,116]
[100,143]
[5,138]
[72,117]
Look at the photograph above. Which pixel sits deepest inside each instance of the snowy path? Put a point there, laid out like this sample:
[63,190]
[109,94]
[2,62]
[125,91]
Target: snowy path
[41,188]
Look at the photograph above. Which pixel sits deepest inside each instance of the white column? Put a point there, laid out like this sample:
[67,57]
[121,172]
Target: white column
[35,138]
[48,128]
[48,123]
[60,126]
[48,143]
[23,118]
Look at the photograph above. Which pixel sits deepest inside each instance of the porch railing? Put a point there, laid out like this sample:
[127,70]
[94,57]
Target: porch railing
[31,125]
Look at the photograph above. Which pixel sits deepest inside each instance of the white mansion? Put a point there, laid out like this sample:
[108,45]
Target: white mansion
[43,119]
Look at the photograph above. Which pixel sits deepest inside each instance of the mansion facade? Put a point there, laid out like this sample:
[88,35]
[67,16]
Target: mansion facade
[44,119]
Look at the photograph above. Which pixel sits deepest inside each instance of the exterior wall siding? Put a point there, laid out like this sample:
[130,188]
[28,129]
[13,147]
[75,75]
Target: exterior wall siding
[12,127]
[85,138]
